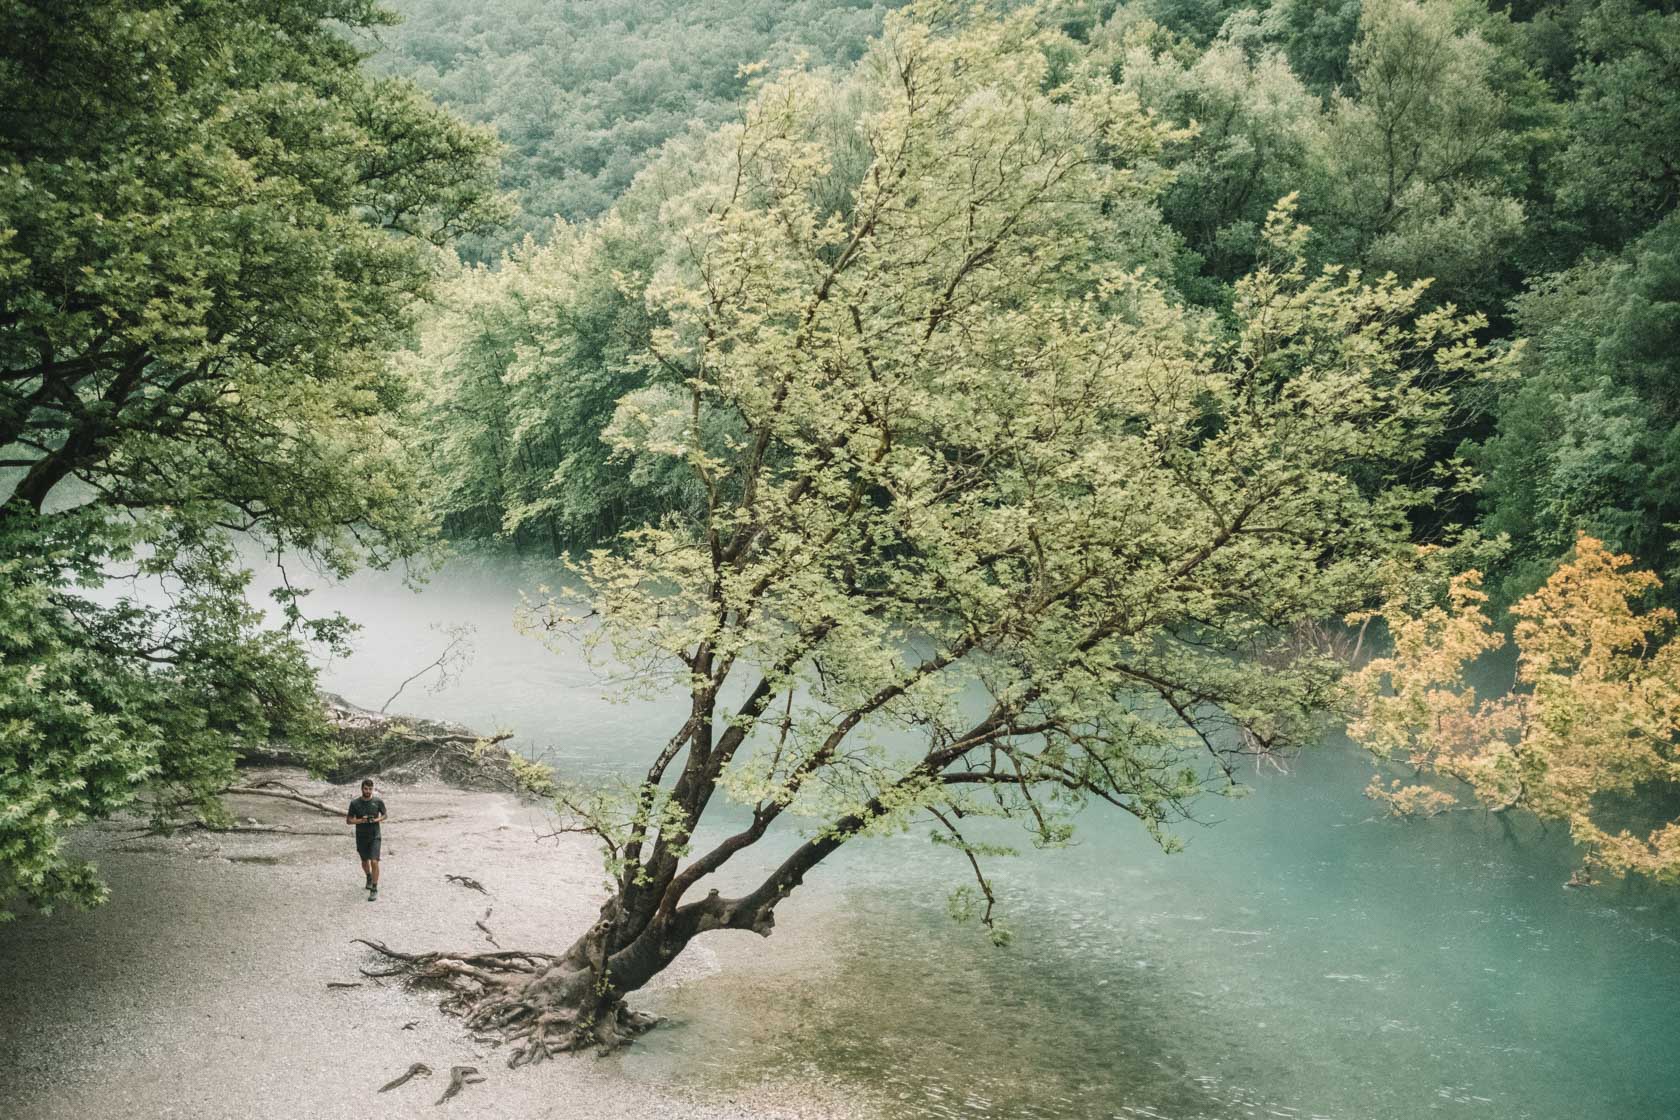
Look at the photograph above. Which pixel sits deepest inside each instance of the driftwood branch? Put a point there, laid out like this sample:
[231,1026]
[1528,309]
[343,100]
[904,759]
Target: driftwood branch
[504,958]
[253,791]
[449,663]
[418,1069]
[488,936]
[470,883]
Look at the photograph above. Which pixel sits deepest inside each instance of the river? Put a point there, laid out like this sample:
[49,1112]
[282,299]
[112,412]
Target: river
[1301,958]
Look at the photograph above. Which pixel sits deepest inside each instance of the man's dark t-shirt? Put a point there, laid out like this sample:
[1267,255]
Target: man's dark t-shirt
[367,807]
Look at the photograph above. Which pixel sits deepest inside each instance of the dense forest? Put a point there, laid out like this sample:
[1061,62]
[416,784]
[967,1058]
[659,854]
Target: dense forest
[583,92]
[1519,158]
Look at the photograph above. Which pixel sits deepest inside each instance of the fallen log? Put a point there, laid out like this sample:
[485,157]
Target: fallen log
[253,791]
[401,749]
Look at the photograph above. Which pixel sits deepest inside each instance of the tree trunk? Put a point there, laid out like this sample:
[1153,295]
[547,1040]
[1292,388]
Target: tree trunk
[542,1004]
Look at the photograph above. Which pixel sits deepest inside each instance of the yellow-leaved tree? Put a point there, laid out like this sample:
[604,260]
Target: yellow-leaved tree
[1589,734]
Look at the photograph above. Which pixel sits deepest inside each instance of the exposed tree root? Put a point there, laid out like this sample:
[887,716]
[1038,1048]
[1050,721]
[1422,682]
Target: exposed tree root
[529,1001]
[418,1069]
[459,1077]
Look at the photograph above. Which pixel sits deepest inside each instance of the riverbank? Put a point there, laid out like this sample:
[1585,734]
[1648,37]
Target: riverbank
[201,988]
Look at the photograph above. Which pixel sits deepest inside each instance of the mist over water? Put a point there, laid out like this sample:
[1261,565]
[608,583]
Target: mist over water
[1301,958]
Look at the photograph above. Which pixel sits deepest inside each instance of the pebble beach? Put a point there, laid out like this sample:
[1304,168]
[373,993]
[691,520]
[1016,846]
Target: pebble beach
[202,987]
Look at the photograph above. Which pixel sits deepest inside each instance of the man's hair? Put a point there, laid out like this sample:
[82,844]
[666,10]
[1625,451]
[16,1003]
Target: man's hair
[367,782]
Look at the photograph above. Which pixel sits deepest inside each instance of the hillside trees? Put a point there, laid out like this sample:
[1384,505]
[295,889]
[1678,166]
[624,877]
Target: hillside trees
[987,525]
[1316,36]
[1620,172]
[521,369]
[1481,150]
[1416,162]
[212,229]
[1588,440]
[1256,133]
[1418,156]
[584,92]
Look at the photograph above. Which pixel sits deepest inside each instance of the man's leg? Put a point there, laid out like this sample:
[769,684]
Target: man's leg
[373,874]
[367,872]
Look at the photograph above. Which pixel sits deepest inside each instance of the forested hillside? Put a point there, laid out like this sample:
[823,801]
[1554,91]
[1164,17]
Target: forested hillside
[1519,160]
[584,91]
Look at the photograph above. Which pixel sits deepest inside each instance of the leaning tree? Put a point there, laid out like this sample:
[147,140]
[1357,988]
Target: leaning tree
[986,524]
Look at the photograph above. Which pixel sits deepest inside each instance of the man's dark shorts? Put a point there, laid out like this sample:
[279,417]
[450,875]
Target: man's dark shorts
[367,847]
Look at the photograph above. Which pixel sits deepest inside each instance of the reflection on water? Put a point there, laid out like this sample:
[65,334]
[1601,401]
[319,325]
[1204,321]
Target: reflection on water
[1300,959]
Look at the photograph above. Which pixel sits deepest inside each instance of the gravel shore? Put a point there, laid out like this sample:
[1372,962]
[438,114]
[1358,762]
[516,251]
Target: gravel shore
[200,989]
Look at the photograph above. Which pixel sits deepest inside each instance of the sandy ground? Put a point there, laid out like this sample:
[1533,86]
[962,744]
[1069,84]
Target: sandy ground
[200,989]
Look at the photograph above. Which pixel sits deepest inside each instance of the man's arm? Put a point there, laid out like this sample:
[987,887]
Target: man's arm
[350,814]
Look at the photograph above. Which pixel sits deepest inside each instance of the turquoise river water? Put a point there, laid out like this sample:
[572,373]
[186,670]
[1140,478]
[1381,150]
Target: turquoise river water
[1301,958]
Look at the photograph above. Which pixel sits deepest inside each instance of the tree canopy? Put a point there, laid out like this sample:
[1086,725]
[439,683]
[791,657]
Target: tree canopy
[213,229]
[584,93]
[1588,440]
[985,522]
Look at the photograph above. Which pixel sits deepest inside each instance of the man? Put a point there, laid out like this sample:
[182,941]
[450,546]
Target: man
[365,813]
